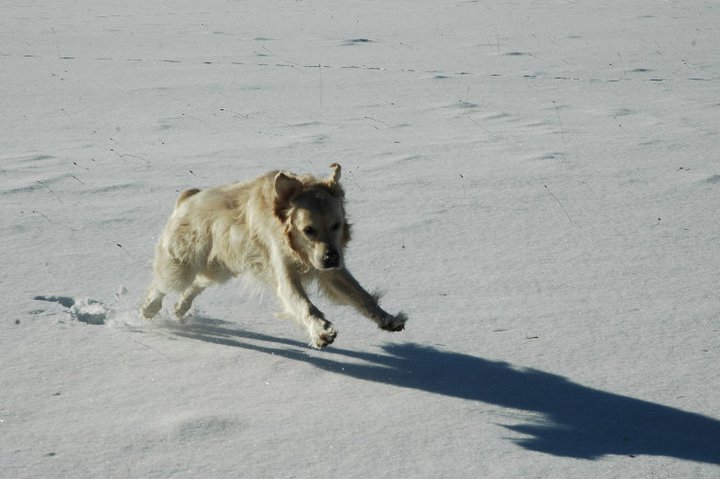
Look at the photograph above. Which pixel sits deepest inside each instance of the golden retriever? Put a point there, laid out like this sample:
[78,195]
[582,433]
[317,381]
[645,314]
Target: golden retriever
[286,229]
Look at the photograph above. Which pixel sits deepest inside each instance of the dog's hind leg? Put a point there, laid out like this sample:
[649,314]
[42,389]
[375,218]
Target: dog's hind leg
[169,274]
[191,292]
[152,303]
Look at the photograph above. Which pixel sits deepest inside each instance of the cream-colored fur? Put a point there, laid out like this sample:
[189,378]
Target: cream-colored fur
[288,230]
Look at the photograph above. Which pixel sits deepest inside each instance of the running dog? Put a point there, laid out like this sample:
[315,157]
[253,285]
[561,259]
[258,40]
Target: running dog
[288,230]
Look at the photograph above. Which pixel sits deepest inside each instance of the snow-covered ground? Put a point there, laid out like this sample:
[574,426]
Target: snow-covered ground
[536,183]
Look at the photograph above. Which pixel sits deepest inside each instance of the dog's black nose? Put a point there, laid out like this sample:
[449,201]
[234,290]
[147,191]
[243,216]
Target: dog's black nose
[331,259]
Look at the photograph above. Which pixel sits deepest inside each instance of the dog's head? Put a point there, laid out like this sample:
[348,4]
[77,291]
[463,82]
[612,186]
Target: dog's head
[313,214]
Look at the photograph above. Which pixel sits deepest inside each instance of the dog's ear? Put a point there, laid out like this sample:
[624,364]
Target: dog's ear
[286,188]
[335,176]
[333,181]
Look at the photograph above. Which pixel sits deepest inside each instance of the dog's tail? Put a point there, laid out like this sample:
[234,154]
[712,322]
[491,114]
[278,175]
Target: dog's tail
[185,195]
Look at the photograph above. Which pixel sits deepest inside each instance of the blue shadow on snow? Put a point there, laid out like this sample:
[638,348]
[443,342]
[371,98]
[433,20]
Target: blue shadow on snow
[579,421]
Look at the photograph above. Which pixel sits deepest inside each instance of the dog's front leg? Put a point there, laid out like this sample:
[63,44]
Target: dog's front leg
[298,305]
[342,287]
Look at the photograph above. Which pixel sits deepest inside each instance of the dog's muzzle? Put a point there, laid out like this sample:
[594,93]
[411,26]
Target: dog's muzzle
[331,259]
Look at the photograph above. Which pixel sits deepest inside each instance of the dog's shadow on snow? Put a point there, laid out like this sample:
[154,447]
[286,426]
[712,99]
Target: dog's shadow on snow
[576,421]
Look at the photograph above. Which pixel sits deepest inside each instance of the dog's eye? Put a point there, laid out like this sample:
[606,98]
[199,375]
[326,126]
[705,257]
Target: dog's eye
[336,226]
[309,231]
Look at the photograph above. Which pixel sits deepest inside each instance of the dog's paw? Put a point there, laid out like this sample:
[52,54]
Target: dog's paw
[324,335]
[393,323]
[181,309]
[150,308]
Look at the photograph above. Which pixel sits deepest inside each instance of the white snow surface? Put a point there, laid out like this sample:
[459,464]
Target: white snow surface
[537,184]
